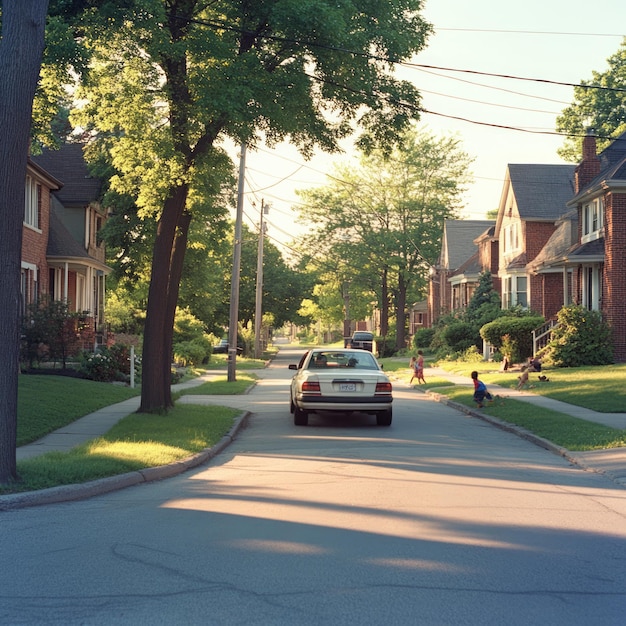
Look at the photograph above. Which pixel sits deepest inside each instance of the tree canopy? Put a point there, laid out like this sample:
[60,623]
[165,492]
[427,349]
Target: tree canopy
[169,79]
[384,219]
[600,104]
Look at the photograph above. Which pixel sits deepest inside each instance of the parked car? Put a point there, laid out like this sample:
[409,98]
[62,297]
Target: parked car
[222,347]
[340,380]
[362,339]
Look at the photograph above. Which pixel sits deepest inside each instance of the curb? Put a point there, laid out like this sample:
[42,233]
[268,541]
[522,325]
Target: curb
[619,479]
[82,491]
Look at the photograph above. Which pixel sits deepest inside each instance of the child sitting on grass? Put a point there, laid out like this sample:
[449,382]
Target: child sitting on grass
[480,391]
[523,379]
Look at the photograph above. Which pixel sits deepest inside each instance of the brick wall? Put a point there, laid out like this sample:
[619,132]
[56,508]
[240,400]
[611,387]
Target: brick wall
[614,295]
[552,285]
[35,242]
[536,236]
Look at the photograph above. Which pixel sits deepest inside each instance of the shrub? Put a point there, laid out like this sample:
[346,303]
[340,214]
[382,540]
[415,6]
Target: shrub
[518,344]
[191,352]
[423,338]
[471,355]
[582,337]
[50,330]
[99,366]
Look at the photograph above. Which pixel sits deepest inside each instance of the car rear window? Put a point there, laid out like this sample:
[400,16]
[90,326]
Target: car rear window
[321,359]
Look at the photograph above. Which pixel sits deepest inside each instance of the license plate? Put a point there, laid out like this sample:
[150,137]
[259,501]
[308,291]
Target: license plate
[347,387]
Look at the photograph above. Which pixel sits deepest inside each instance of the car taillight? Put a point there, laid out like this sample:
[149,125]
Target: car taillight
[383,387]
[311,387]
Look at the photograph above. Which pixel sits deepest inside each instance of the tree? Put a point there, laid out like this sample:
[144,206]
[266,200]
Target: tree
[21,50]
[386,217]
[177,75]
[603,108]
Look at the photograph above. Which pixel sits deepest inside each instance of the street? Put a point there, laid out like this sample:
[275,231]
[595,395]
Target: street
[438,519]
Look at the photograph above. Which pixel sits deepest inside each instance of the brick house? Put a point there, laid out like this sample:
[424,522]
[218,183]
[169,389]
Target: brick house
[466,250]
[533,200]
[598,259]
[61,254]
[35,233]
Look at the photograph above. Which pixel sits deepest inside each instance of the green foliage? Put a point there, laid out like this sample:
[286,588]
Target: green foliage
[122,314]
[484,305]
[365,223]
[187,353]
[423,338]
[454,334]
[604,110]
[582,337]
[50,331]
[107,364]
[192,345]
[187,327]
[471,355]
[512,335]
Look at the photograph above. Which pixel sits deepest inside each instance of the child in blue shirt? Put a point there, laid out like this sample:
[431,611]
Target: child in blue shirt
[480,391]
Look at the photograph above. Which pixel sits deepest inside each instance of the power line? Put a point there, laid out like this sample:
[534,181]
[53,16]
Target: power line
[530,32]
[373,57]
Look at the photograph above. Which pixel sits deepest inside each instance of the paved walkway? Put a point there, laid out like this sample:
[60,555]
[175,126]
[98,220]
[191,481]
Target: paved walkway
[610,462]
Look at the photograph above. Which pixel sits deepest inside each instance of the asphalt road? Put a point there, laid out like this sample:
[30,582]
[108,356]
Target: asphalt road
[438,519]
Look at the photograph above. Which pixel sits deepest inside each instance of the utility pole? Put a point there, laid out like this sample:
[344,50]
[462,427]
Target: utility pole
[258,313]
[234,282]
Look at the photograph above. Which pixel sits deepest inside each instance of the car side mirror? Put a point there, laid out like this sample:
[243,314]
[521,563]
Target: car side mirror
[293,366]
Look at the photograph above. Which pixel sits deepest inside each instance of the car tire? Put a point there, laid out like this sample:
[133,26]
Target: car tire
[300,417]
[384,418]
[292,406]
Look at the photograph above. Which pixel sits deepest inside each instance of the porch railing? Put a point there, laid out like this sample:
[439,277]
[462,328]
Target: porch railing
[543,334]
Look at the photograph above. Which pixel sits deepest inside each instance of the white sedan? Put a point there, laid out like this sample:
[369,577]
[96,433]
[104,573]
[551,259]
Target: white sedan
[340,380]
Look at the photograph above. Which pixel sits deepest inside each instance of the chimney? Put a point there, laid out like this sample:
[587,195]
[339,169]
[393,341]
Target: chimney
[589,167]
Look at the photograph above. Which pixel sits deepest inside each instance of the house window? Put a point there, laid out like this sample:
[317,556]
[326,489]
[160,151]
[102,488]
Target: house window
[511,238]
[515,291]
[592,220]
[32,202]
[591,287]
[29,285]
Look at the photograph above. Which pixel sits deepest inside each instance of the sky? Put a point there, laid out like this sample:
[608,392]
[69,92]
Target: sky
[553,40]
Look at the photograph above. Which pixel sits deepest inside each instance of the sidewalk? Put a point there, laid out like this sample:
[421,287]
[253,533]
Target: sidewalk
[611,462]
[95,424]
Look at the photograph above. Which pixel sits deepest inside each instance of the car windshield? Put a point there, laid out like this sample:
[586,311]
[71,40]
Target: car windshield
[340,359]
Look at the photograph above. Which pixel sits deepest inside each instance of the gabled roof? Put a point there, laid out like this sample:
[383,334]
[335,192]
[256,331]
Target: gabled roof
[471,267]
[458,240]
[68,165]
[612,170]
[63,247]
[541,190]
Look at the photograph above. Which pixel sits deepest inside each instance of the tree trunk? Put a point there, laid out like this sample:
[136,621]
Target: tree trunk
[157,340]
[21,48]
[401,313]
[384,305]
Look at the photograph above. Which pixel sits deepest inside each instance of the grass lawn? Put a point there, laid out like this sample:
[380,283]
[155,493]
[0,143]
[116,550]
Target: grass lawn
[46,403]
[563,430]
[598,387]
[138,441]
